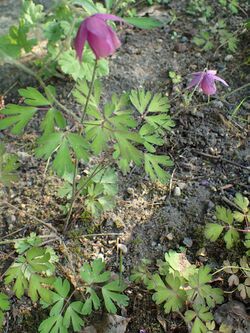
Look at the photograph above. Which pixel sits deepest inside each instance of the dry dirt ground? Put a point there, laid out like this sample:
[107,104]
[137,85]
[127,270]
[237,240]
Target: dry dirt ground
[210,150]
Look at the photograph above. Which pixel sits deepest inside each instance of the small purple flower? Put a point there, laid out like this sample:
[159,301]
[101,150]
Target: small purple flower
[206,81]
[101,38]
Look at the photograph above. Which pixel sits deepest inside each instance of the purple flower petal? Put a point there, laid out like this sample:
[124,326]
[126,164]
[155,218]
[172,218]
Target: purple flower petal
[80,40]
[101,47]
[197,78]
[100,36]
[221,80]
[207,85]
[115,40]
[96,26]
[211,71]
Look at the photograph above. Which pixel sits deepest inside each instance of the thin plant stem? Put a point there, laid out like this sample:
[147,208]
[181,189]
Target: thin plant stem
[73,195]
[10,241]
[231,267]
[89,93]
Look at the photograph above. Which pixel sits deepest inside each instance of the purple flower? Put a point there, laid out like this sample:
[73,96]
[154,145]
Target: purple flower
[206,81]
[101,38]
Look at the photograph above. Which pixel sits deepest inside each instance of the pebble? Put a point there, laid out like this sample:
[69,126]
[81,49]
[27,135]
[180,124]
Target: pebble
[188,242]
[11,219]
[180,47]
[210,204]
[246,105]
[197,114]
[218,104]
[184,39]
[248,180]
[23,156]
[229,57]
[182,185]
[177,191]
[170,236]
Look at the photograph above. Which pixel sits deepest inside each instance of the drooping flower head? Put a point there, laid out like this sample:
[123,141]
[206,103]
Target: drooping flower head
[101,38]
[206,81]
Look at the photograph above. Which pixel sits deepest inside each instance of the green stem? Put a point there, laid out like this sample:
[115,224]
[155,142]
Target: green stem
[10,241]
[73,195]
[120,266]
[89,93]
[232,267]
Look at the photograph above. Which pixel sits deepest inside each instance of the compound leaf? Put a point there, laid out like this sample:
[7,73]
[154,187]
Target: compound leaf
[92,302]
[225,215]
[71,316]
[170,293]
[231,237]
[213,231]
[201,293]
[19,116]
[112,294]
[33,97]
[153,168]
[94,272]
[53,324]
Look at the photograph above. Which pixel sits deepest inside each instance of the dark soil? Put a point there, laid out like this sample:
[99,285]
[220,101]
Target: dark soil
[210,150]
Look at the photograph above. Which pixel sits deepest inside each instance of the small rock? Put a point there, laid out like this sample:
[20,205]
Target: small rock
[184,39]
[248,179]
[170,236]
[177,191]
[213,188]
[218,104]
[180,47]
[210,204]
[197,114]
[23,156]
[188,242]
[246,105]
[229,57]
[11,219]
[182,185]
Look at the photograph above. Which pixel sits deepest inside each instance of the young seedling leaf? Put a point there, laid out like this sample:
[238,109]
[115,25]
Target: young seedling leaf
[153,168]
[53,324]
[91,303]
[213,231]
[231,237]
[71,316]
[94,272]
[242,202]
[140,99]
[112,293]
[171,293]
[201,293]
[225,215]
